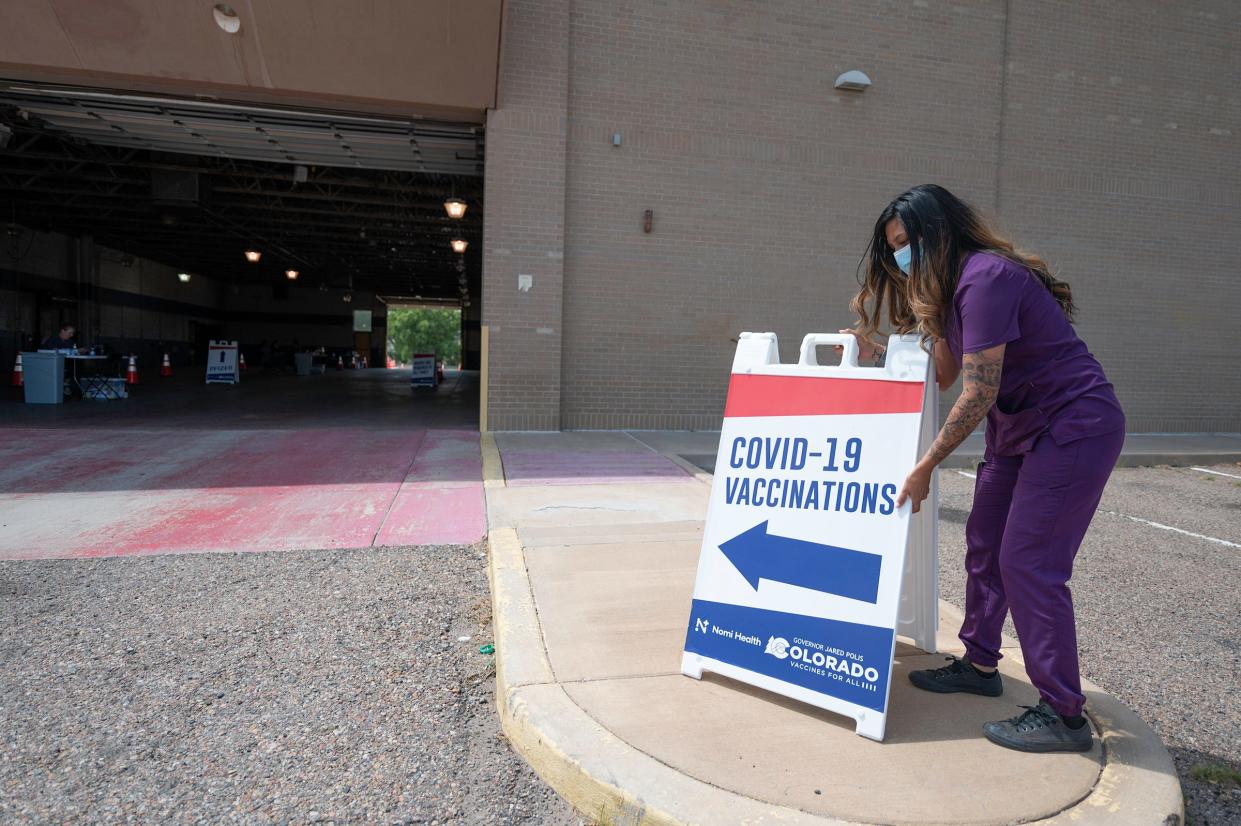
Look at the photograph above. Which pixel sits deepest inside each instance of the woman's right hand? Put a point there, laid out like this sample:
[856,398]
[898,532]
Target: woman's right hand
[866,348]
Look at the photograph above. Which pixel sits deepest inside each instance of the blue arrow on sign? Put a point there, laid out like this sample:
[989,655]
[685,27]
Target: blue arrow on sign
[840,571]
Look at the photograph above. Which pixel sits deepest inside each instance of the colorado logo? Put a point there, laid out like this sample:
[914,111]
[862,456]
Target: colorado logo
[777,647]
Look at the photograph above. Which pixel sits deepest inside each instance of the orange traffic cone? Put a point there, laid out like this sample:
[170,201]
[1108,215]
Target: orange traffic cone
[18,378]
[241,364]
[131,374]
[166,368]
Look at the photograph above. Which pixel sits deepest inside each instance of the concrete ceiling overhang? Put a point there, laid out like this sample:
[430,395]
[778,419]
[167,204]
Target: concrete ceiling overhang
[307,200]
[229,130]
[430,58]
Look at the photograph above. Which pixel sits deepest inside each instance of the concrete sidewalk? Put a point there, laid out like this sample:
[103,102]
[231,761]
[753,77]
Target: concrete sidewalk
[594,539]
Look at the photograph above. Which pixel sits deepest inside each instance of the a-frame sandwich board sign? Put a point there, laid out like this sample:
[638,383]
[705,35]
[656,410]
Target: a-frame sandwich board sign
[222,362]
[799,585]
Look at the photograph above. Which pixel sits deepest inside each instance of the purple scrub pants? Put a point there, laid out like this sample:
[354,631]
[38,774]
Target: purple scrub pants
[1030,514]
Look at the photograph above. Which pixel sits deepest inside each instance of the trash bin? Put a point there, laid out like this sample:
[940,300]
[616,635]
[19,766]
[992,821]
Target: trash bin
[45,377]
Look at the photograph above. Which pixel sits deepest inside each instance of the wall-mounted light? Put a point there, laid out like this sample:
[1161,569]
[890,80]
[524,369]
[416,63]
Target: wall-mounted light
[459,244]
[291,274]
[226,18]
[253,256]
[183,277]
[854,80]
[455,207]
[347,298]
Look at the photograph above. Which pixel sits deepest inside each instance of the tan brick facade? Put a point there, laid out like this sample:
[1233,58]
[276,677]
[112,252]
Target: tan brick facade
[1109,145]
[524,231]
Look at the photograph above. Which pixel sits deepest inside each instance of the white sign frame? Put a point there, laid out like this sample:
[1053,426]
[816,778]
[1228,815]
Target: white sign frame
[806,600]
[422,372]
[222,365]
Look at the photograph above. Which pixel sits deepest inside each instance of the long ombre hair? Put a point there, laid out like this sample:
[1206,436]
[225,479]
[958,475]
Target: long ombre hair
[942,229]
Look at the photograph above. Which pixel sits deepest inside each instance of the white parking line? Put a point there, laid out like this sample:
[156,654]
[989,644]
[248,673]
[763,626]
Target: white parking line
[1174,530]
[1216,472]
[1159,525]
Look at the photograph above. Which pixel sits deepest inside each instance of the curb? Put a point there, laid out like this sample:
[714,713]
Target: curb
[493,465]
[689,467]
[605,778]
[585,763]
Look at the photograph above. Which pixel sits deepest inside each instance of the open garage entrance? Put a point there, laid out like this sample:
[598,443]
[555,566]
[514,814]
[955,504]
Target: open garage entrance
[155,225]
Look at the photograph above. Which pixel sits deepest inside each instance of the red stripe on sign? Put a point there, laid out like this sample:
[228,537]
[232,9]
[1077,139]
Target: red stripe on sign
[756,395]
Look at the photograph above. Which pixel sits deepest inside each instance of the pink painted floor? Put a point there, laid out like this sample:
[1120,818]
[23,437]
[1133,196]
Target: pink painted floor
[98,492]
[588,467]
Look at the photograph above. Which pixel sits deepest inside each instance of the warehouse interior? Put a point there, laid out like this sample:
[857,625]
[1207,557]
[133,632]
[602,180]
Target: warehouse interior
[156,223]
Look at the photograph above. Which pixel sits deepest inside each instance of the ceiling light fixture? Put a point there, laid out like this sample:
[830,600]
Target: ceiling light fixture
[184,277]
[291,274]
[253,256]
[459,245]
[455,207]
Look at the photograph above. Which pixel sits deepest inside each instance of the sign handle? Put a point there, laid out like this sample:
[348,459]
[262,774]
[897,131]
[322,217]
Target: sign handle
[809,358]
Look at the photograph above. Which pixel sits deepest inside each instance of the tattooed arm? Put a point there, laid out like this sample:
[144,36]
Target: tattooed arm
[981,385]
[982,372]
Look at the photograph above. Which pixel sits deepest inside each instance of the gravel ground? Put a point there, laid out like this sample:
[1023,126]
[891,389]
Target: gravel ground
[267,688]
[1158,613]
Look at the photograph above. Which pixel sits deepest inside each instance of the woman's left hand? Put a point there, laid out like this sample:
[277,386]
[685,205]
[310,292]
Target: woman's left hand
[916,488]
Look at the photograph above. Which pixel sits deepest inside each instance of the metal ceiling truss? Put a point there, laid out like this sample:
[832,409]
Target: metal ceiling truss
[379,229]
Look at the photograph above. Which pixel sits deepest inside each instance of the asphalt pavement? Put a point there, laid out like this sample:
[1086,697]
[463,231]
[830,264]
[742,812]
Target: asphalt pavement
[1158,606]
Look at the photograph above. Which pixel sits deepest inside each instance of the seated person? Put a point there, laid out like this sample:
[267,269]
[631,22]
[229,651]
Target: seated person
[66,339]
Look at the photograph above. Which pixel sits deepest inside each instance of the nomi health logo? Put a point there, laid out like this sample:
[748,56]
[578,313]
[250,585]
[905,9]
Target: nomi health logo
[777,647]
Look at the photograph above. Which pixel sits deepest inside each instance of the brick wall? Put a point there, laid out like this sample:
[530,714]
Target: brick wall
[1122,165]
[1054,118]
[524,230]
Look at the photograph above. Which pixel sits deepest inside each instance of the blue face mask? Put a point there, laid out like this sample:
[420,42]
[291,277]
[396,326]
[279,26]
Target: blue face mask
[904,258]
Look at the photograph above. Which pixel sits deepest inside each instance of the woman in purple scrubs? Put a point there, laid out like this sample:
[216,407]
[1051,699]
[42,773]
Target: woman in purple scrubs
[1000,319]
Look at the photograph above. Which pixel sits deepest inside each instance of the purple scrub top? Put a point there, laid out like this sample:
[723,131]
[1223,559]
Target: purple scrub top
[1050,381]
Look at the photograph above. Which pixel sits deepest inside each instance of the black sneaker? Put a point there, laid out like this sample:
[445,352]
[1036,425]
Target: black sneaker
[1039,728]
[957,676]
